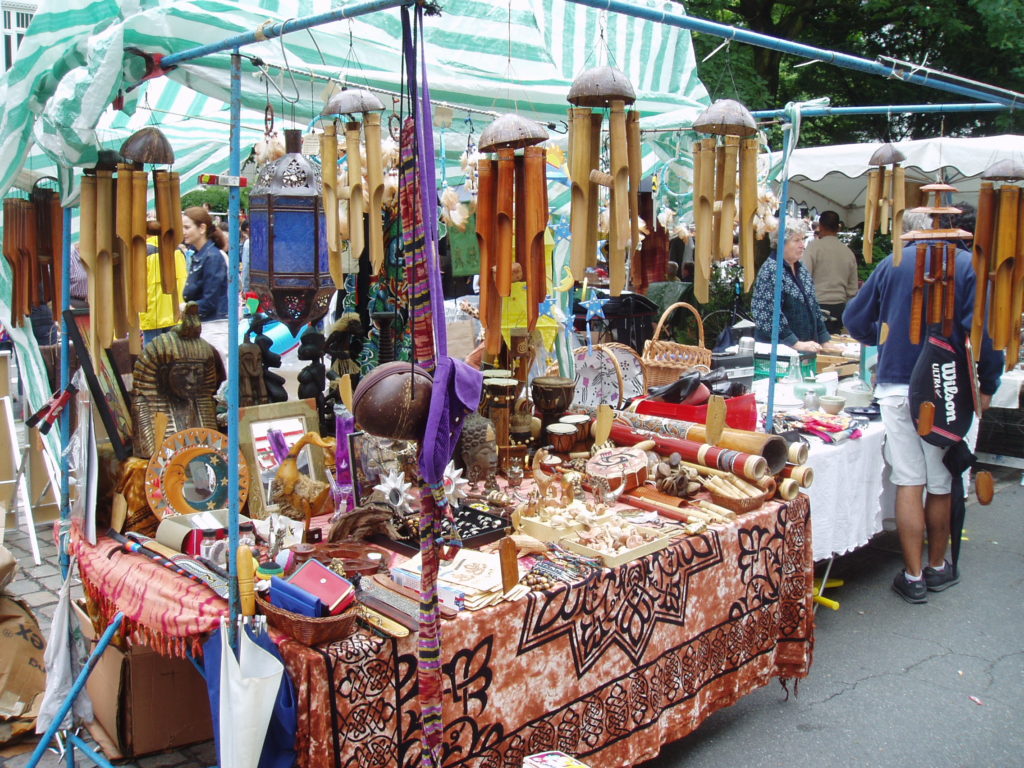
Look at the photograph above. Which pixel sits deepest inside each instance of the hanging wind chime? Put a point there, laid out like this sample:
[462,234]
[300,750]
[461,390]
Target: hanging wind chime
[933,301]
[999,261]
[603,88]
[886,199]
[715,170]
[511,216]
[364,196]
[33,241]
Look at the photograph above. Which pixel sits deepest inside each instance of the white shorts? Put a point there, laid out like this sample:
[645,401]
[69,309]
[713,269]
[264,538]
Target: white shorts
[911,460]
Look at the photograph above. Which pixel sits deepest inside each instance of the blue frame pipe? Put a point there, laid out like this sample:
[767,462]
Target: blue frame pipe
[844,60]
[769,420]
[65,379]
[761,114]
[74,740]
[76,688]
[277,30]
[234,204]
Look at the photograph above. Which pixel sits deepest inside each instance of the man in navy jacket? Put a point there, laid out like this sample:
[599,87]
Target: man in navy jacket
[922,480]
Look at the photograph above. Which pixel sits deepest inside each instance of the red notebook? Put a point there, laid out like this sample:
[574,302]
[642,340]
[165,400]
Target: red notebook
[335,592]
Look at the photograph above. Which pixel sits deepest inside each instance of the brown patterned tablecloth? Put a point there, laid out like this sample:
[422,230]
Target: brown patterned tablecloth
[609,670]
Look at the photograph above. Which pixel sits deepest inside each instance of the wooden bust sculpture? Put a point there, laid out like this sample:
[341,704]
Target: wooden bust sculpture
[177,374]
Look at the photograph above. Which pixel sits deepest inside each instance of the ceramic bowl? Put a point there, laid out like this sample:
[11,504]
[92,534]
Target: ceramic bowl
[832,404]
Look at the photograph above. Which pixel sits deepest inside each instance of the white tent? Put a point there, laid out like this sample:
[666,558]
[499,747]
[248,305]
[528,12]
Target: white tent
[835,177]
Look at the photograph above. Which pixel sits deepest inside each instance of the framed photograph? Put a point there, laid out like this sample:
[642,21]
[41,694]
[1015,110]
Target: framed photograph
[108,392]
[292,419]
[373,457]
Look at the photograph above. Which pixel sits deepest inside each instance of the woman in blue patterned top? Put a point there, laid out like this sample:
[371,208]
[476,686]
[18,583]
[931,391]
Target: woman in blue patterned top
[800,323]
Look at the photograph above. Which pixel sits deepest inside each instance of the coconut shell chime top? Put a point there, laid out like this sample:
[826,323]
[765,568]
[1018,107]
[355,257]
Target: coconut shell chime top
[716,166]
[886,198]
[604,88]
[511,216]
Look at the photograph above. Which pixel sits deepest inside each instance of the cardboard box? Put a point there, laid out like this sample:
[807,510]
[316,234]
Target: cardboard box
[144,702]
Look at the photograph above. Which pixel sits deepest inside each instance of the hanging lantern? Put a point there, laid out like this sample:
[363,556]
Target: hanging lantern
[288,238]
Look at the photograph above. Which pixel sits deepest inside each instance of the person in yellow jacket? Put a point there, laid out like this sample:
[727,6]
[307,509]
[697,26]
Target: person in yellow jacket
[160,315]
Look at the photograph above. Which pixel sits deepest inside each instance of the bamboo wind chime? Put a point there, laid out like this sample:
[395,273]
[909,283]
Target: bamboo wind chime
[364,189]
[114,229]
[33,241]
[999,261]
[886,199]
[511,217]
[933,301]
[715,186]
[604,88]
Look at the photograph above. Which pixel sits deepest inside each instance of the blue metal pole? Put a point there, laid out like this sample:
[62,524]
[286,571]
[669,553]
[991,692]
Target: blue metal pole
[894,109]
[79,684]
[844,60]
[65,379]
[234,201]
[74,740]
[277,30]
[787,131]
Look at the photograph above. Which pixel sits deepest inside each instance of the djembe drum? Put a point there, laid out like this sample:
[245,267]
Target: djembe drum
[552,395]
[500,395]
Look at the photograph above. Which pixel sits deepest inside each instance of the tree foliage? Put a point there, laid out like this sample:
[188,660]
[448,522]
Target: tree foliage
[981,40]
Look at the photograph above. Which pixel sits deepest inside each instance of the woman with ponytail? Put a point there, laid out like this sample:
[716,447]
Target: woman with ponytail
[207,282]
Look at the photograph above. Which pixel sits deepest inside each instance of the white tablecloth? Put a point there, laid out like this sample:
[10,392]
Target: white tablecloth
[846,507]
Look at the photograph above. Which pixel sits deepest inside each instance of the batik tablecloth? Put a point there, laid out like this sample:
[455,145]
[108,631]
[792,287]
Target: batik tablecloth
[609,670]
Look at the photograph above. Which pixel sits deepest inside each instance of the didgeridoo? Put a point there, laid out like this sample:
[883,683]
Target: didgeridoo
[743,464]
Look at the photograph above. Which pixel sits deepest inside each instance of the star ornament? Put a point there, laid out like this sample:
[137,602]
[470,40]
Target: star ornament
[562,230]
[454,485]
[594,307]
[395,491]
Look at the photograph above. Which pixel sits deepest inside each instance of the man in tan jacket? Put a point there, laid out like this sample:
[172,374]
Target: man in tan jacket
[834,269]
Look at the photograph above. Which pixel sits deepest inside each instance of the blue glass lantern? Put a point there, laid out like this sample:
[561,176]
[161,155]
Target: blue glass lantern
[288,267]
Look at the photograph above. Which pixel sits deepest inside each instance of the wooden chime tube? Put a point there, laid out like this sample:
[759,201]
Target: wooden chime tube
[1017,293]
[745,465]
[716,212]
[375,187]
[885,201]
[356,205]
[748,209]
[520,239]
[535,224]
[138,253]
[949,291]
[635,160]
[917,297]
[103,310]
[899,198]
[168,242]
[174,179]
[486,212]
[87,243]
[504,220]
[593,197]
[984,227]
[1000,322]
[329,165]
[730,161]
[579,176]
[57,266]
[704,206]
[618,220]
[10,252]
[124,223]
[30,259]
[875,180]
[936,279]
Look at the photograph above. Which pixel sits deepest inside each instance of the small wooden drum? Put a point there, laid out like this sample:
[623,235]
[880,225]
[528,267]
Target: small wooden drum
[562,436]
[581,422]
[619,466]
[500,395]
[553,394]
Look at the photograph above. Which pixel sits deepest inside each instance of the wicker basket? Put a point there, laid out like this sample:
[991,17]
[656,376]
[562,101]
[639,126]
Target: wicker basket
[665,361]
[739,506]
[306,629]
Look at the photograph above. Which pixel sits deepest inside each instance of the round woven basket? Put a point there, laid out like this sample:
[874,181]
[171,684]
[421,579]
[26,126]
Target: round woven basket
[665,360]
[306,629]
[739,506]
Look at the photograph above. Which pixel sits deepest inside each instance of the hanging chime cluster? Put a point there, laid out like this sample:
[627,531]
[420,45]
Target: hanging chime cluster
[363,192]
[511,217]
[886,198]
[112,241]
[933,301]
[33,238]
[715,169]
[604,88]
[999,261]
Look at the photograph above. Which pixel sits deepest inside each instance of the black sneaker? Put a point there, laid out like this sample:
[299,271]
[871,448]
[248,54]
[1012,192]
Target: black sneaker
[911,591]
[937,581]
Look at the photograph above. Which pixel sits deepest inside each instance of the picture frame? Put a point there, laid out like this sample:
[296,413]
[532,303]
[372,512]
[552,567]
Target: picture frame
[109,396]
[294,418]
